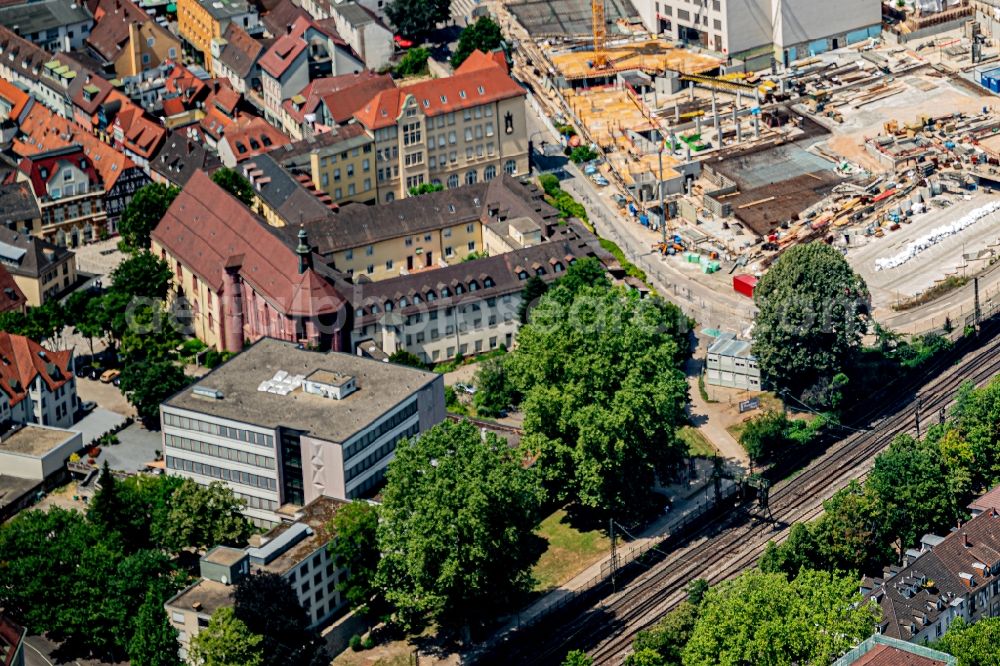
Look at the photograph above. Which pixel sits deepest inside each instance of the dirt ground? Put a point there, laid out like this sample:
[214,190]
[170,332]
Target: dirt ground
[63,498]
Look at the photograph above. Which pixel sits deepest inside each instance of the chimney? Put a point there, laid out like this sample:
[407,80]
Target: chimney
[965,540]
[304,252]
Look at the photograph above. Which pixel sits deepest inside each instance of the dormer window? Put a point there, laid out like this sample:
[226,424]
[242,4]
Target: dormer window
[481,90]
[461,93]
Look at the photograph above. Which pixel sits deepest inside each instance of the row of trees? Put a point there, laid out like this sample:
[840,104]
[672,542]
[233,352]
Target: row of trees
[99,581]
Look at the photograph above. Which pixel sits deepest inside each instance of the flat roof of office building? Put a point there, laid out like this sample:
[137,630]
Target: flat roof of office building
[380,387]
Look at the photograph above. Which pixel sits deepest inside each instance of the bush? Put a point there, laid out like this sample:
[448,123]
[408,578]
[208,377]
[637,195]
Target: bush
[355,643]
[212,359]
[549,183]
[368,643]
[414,62]
[582,154]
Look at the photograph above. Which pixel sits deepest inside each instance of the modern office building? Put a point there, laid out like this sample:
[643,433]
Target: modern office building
[282,425]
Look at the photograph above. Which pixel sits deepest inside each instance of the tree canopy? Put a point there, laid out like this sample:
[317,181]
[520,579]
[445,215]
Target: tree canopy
[533,290]
[494,392]
[144,211]
[766,618]
[974,645]
[154,641]
[146,384]
[603,392]
[356,548]
[415,19]
[205,516]
[234,183]
[456,527]
[812,312]
[226,641]
[142,275]
[484,35]
[412,63]
[270,608]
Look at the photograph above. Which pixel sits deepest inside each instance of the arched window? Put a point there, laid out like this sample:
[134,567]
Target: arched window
[489,173]
[445,292]
[459,288]
[510,167]
[558,267]
[403,302]
[452,181]
[388,306]
[417,299]
[431,296]
[473,285]
[488,282]
[470,177]
[389,196]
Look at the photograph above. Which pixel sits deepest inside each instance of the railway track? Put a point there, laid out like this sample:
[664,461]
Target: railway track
[724,547]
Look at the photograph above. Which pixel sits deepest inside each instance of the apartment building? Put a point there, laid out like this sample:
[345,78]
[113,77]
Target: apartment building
[32,68]
[247,137]
[239,281]
[365,32]
[38,385]
[466,308]
[41,270]
[756,30]
[18,208]
[459,130]
[330,102]
[282,425]
[284,68]
[279,197]
[129,40]
[201,21]
[235,57]
[340,163]
[68,191]
[179,158]
[941,579]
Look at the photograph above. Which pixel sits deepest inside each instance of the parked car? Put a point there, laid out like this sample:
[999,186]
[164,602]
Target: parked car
[402,42]
[600,180]
[109,376]
[83,371]
[94,373]
[117,381]
[87,407]
[619,199]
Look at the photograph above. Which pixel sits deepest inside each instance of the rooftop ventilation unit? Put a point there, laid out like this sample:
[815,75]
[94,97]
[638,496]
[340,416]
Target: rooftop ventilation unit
[206,392]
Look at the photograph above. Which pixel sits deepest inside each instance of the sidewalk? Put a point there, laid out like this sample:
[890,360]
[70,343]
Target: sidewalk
[689,500]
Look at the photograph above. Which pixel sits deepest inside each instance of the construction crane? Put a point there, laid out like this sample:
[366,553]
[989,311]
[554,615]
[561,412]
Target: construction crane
[600,34]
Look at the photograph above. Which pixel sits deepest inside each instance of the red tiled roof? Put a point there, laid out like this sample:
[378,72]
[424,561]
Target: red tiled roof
[173,107]
[207,229]
[277,59]
[478,60]
[480,83]
[885,655]
[250,136]
[180,81]
[49,162]
[22,360]
[223,97]
[342,95]
[17,98]
[11,296]
[214,123]
[42,130]
[139,134]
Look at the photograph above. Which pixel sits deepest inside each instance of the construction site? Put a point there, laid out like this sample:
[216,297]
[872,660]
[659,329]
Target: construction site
[874,148]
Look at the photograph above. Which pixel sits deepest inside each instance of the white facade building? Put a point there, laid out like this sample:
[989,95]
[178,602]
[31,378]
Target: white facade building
[731,363]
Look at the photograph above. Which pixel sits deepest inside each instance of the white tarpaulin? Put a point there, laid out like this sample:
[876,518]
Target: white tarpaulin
[935,236]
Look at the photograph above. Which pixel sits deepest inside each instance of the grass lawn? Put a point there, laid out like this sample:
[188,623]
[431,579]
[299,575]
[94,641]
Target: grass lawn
[697,443]
[570,551]
[735,430]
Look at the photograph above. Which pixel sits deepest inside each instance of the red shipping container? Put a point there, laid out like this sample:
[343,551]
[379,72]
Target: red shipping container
[744,284]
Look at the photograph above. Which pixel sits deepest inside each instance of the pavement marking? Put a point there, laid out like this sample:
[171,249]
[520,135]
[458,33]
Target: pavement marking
[39,653]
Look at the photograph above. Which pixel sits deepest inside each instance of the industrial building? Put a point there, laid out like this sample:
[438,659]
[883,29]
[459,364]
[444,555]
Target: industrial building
[731,363]
[756,30]
[282,425]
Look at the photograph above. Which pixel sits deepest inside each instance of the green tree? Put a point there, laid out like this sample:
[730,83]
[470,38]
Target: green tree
[586,272]
[973,645]
[425,188]
[356,548]
[577,658]
[663,642]
[415,19]
[226,641]
[412,63]
[154,640]
[764,618]
[812,312]
[231,181]
[976,415]
[150,334]
[41,323]
[909,483]
[764,435]
[582,154]
[148,383]
[404,357]
[494,392]
[110,507]
[142,275]
[533,290]
[483,35]
[147,207]
[600,372]
[270,608]
[201,517]
[456,528]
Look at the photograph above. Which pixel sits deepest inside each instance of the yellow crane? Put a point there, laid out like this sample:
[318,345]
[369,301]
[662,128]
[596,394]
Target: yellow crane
[600,34]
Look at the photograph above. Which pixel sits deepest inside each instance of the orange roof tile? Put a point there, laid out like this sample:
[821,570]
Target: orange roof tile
[22,360]
[14,96]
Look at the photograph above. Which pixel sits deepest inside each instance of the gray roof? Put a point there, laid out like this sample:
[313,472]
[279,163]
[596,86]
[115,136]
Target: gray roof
[179,158]
[241,51]
[17,204]
[381,387]
[282,192]
[568,243]
[355,14]
[727,345]
[290,151]
[38,16]
[355,225]
[34,255]
[224,9]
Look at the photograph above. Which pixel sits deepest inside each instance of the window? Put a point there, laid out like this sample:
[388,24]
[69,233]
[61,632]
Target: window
[470,177]
[489,173]
[472,246]
[510,167]
[172,53]
[452,181]
[468,134]
[349,255]
[388,265]
[489,129]
[452,138]
[448,252]
[150,41]
[370,250]
[411,133]
[370,270]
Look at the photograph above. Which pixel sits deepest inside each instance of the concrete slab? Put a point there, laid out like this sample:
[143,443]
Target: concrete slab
[97,423]
[137,446]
